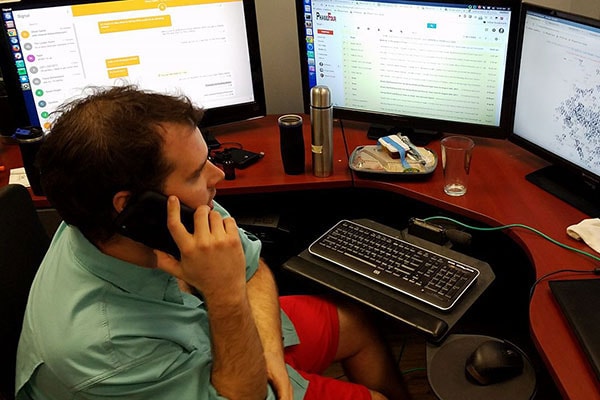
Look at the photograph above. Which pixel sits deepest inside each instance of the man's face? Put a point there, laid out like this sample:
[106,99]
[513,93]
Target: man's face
[194,178]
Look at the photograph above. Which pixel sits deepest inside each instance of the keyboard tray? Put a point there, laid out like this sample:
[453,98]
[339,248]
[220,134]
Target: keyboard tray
[426,275]
[432,323]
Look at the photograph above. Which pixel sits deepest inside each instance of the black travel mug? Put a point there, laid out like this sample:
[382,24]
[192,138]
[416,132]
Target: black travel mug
[291,140]
[30,139]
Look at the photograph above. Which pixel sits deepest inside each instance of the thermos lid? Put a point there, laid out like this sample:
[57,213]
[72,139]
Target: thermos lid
[28,134]
[320,96]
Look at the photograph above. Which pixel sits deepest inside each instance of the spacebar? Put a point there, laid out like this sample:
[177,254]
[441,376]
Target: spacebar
[370,294]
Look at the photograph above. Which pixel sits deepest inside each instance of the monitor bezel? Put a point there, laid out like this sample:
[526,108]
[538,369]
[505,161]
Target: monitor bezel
[514,137]
[572,183]
[212,117]
[431,126]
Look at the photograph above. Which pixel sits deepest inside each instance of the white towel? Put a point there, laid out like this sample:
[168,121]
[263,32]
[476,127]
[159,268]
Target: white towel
[587,230]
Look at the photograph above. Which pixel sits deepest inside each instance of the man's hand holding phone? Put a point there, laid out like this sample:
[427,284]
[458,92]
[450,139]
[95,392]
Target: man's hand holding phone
[212,258]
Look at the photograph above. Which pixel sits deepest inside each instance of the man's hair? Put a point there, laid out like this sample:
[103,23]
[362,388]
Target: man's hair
[104,143]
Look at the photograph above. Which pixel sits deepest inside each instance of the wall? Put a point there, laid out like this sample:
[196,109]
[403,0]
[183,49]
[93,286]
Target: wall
[278,38]
[281,57]
[584,7]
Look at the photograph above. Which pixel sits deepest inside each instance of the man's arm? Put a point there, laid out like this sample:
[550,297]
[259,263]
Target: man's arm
[264,301]
[213,262]
[238,365]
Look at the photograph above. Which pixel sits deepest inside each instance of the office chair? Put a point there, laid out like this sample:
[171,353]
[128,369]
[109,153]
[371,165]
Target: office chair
[23,243]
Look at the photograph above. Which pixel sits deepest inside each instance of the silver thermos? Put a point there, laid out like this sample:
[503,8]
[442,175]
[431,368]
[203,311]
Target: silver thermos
[321,124]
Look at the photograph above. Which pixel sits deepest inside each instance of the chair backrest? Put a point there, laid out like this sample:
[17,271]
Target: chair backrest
[23,243]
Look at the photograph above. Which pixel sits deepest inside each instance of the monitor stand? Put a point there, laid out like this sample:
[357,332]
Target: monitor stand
[568,187]
[419,137]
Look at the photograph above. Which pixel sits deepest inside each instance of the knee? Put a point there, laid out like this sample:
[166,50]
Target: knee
[355,319]
[356,331]
[351,312]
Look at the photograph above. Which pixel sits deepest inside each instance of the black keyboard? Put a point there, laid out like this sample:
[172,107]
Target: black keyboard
[417,272]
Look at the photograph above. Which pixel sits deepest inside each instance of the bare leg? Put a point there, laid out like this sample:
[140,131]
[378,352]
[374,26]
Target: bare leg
[365,356]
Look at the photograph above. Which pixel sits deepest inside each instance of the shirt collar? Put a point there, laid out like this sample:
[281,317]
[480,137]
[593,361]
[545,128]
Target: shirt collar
[146,282]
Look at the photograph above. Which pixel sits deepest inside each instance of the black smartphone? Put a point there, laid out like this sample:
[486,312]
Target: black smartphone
[144,219]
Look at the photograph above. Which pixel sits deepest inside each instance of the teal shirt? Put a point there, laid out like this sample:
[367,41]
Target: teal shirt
[97,327]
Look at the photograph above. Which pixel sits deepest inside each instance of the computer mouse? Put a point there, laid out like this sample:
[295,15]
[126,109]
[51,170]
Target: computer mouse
[494,361]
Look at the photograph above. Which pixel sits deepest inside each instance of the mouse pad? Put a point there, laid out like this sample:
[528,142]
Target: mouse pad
[446,373]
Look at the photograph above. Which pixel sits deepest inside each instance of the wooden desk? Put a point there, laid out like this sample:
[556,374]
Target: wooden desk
[498,195]
[267,175]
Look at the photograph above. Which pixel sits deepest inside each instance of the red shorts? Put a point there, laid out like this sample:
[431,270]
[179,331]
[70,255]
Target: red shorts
[317,325]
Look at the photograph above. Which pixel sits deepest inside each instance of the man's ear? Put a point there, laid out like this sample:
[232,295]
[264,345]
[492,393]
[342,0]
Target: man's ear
[120,200]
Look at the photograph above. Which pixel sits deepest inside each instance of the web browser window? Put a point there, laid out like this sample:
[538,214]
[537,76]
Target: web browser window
[434,60]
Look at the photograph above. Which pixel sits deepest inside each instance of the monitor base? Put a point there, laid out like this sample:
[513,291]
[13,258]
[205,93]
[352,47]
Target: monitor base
[419,137]
[568,187]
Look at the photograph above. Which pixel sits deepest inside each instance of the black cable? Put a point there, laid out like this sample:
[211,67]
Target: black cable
[345,143]
[595,271]
[344,136]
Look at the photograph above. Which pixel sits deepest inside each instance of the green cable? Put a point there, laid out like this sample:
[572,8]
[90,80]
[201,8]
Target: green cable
[411,370]
[556,242]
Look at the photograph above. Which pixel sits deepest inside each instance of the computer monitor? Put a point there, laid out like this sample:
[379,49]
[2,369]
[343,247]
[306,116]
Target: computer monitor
[207,50]
[428,65]
[557,108]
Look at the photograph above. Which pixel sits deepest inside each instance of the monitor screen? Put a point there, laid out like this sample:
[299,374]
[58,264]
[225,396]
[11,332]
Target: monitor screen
[557,107]
[205,49]
[433,65]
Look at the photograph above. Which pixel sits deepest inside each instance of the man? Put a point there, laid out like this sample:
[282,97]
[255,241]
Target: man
[109,317]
